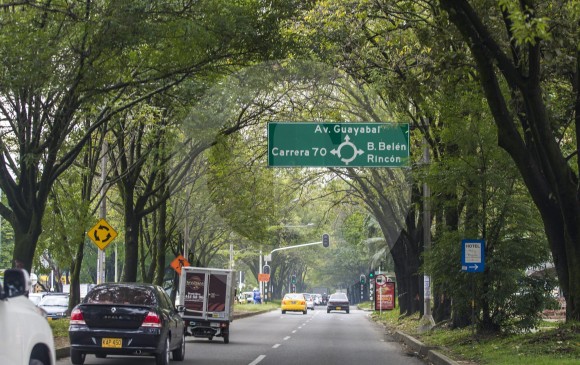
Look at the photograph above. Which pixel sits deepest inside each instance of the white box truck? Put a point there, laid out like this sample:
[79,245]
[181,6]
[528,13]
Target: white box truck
[206,301]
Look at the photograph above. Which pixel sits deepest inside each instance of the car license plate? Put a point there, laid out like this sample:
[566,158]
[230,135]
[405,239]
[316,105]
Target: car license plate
[115,343]
[337,308]
[293,302]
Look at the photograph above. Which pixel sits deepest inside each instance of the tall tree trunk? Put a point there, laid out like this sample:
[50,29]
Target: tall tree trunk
[131,242]
[26,234]
[161,240]
[551,181]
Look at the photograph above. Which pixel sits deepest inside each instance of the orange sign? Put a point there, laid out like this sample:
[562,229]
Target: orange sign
[264,277]
[178,263]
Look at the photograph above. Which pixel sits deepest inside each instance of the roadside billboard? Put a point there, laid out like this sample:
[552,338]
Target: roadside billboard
[384,293]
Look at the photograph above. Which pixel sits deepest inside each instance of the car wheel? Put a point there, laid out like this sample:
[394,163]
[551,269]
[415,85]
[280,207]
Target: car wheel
[162,358]
[304,312]
[179,353]
[100,356]
[283,312]
[347,311]
[328,311]
[77,357]
[226,337]
[35,362]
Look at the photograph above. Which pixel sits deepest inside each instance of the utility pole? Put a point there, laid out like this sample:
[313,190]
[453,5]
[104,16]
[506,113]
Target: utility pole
[103,213]
[427,322]
[0,231]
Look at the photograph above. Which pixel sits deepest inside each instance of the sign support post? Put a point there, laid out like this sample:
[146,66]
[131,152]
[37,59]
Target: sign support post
[473,261]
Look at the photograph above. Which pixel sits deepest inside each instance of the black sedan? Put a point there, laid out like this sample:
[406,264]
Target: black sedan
[337,302]
[126,319]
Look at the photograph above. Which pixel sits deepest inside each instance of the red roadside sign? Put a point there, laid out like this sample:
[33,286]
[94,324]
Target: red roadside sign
[384,294]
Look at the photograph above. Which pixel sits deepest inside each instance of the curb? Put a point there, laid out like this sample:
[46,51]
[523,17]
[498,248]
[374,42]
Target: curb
[65,351]
[429,352]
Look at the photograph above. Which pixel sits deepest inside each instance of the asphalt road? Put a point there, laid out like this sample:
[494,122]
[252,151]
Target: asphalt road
[293,338]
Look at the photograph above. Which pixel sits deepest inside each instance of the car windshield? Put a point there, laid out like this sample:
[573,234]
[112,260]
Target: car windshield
[306,296]
[35,298]
[56,300]
[338,296]
[120,295]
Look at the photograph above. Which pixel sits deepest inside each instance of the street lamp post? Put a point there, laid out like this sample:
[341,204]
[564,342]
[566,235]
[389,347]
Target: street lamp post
[0,230]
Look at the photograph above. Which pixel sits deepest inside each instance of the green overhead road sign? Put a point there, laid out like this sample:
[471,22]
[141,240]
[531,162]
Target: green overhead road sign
[338,144]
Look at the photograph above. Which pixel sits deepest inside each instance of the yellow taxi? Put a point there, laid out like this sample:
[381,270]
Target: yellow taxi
[294,302]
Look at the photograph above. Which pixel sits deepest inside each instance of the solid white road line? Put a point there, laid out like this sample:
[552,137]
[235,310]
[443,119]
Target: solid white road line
[286,338]
[276,346]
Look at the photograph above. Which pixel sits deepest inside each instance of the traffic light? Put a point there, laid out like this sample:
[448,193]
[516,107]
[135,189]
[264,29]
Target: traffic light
[266,269]
[362,279]
[325,240]
[371,274]
[293,278]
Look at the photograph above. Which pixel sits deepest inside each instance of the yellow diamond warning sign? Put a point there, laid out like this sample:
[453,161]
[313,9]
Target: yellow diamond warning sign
[102,234]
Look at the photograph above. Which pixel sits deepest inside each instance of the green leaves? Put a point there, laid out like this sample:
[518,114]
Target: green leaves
[526,27]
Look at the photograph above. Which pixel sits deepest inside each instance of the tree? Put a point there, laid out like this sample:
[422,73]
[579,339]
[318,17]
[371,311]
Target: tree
[67,64]
[523,72]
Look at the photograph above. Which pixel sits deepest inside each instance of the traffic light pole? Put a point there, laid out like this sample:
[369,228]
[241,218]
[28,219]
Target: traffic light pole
[324,242]
[296,246]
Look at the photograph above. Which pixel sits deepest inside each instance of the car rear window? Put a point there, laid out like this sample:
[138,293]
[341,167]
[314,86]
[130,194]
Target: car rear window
[120,295]
[339,296]
[294,296]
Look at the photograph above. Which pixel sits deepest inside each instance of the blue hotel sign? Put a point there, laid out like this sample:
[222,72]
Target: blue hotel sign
[472,255]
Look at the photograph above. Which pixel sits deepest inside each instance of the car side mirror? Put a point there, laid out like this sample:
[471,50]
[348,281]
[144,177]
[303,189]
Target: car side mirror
[181,308]
[16,283]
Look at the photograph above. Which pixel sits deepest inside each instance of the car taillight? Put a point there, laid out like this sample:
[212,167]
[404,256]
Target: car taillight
[302,302]
[152,320]
[76,317]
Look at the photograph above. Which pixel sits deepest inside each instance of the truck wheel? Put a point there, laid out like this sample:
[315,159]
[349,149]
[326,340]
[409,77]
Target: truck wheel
[77,357]
[226,337]
[179,353]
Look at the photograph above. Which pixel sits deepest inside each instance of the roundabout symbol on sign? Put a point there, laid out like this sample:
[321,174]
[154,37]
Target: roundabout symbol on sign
[347,142]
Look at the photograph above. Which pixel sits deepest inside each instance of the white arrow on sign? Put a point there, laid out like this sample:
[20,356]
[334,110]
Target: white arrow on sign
[473,267]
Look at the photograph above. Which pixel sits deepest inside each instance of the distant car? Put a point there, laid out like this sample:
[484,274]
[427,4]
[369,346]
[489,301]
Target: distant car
[309,300]
[317,299]
[55,305]
[294,302]
[127,319]
[26,336]
[338,302]
[247,297]
[36,297]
